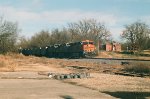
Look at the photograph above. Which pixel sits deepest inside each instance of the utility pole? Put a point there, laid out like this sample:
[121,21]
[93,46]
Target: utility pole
[98,44]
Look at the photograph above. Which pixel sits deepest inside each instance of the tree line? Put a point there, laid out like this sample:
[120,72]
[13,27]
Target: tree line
[136,35]
[73,32]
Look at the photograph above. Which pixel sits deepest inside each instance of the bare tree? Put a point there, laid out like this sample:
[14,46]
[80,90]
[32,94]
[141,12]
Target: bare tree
[82,30]
[23,42]
[40,39]
[88,29]
[8,35]
[60,36]
[136,34]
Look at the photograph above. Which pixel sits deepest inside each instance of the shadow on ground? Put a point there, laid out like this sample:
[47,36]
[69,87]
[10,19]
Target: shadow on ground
[129,95]
[66,97]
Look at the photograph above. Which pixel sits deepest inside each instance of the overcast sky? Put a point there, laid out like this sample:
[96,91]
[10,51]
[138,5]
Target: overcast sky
[35,15]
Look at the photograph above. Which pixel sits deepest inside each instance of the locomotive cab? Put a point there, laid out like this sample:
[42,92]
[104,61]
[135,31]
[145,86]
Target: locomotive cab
[88,48]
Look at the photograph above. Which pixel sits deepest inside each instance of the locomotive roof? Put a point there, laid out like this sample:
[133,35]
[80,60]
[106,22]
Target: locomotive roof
[87,41]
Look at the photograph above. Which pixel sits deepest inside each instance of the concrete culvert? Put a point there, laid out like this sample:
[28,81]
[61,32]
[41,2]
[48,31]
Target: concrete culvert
[78,76]
[50,75]
[57,77]
[71,75]
[87,75]
[62,76]
[75,76]
[82,75]
[67,76]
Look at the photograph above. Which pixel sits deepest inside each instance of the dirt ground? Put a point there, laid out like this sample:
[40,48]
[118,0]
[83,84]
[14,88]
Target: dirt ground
[45,89]
[18,69]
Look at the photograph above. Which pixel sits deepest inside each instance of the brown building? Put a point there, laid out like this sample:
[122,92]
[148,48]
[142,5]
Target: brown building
[111,47]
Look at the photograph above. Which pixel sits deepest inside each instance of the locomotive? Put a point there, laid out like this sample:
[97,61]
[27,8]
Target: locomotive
[85,48]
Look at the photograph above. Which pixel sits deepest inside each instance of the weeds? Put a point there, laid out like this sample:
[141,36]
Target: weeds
[15,55]
[140,67]
[2,64]
[8,63]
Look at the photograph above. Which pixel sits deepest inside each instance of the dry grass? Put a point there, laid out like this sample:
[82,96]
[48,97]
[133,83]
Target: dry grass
[146,52]
[15,55]
[2,64]
[17,62]
[113,83]
[138,67]
[7,64]
[105,54]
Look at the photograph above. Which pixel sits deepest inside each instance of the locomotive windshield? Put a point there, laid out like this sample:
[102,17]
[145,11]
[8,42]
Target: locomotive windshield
[84,43]
[91,42]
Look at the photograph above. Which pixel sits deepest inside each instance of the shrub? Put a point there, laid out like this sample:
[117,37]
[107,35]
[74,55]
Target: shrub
[139,67]
[7,63]
[15,55]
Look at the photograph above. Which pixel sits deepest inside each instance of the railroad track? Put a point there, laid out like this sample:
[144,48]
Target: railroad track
[132,74]
[130,59]
[112,61]
[119,61]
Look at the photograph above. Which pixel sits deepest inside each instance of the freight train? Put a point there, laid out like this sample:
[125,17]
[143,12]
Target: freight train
[84,48]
